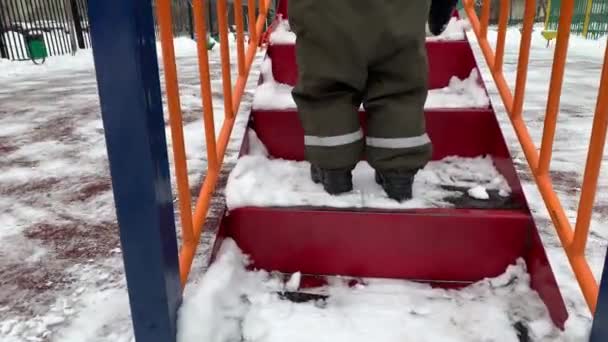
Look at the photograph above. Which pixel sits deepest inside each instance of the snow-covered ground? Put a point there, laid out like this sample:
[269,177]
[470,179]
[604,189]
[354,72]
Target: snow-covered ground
[61,275]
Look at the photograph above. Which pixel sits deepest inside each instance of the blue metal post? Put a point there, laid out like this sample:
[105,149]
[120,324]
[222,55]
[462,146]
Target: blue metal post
[599,330]
[122,34]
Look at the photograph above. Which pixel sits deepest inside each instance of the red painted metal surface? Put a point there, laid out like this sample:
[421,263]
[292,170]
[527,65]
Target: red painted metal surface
[282,8]
[542,279]
[424,244]
[437,245]
[446,59]
[467,133]
[414,244]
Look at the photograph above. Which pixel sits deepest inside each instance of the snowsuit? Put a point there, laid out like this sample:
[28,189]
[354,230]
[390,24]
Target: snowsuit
[353,52]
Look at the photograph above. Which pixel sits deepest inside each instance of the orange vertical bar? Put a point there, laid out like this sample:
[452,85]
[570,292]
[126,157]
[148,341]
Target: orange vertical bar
[222,23]
[200,27]
[524,57]
[555,86]
[594,162]
[240,38]
[485,18]
[263,8]
[251,5]
[163,10]
[204,199]
[503,20]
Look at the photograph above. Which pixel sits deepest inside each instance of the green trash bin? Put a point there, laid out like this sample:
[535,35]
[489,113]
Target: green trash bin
[36,47]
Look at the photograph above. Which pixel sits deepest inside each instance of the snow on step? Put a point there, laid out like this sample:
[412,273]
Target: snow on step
[467,93]
[239,305]
[282,34]
[455,30]
[258,180]
[479,192]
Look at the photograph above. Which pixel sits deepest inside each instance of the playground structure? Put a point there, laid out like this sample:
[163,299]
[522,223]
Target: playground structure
[130,96]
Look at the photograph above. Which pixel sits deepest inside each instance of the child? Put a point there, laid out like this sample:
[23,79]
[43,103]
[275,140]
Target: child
[353,52]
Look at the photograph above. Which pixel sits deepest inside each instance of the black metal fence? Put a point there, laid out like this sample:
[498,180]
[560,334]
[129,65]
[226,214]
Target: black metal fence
[183,21]
[63,26]
[181,11]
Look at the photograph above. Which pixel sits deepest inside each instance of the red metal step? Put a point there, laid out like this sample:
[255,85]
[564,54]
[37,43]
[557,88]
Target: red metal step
[465,133]
[429,244]
[476,132]
[438,245]
[446,59]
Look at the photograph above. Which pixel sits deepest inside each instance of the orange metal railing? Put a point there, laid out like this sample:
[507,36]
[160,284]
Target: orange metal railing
[192,222]
[573,241]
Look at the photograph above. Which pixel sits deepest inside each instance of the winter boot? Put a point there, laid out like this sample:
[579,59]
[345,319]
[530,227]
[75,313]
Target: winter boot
[397,183]
[335,181]
[440,14]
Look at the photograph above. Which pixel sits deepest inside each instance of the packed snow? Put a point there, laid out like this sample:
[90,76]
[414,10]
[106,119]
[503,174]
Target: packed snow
[480,192]
[454,30]
[282,34]
[467,93]
[240,305]
[258,180]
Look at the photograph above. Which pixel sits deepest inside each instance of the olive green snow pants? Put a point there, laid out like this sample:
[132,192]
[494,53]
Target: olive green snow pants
[353,52]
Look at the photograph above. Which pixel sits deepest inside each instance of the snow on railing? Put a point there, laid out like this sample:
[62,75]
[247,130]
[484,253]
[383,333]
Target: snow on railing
[573,241]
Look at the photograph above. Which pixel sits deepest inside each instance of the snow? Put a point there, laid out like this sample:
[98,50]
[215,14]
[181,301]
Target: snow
[282,34]
[294,282]
[272,94]
[257,180]
[454,30]
[64,279]
[256,147]
[82,61]
[467,93]
[237,304]
[480,192]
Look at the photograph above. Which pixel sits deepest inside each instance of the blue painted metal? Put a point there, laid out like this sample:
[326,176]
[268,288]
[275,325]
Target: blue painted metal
[599,330]
[124,50]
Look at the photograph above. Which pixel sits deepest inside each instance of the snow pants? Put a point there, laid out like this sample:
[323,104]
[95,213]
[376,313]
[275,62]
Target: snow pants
[353,52]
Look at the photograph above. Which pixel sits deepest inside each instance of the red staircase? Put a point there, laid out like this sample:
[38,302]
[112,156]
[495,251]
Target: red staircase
[441,246]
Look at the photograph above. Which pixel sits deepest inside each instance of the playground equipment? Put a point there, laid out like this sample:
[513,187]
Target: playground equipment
[437,245]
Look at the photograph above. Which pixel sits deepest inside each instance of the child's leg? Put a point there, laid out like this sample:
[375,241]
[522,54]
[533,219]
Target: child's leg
[331,78]
[396,90]
[396,93]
